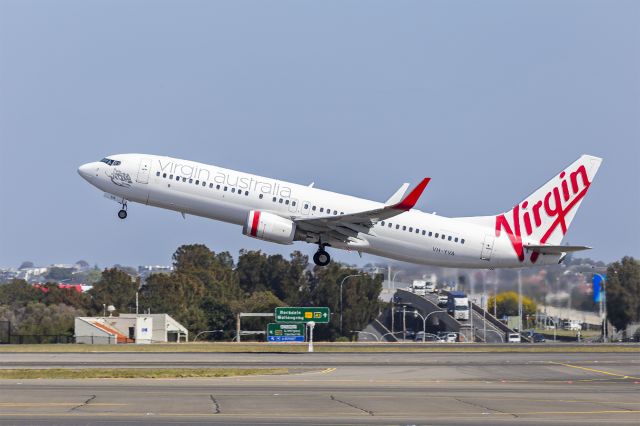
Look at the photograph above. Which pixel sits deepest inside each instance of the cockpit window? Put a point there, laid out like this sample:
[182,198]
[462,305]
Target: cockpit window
[110,162]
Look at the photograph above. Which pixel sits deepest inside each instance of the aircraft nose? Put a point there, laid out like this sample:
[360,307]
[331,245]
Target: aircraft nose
[85,170]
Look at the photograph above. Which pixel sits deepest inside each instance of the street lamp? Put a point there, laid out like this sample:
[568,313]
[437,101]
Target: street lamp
[424,321]
[602,304]
[341,283]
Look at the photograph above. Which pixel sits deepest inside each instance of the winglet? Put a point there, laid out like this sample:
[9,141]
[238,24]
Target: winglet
[397,196]
[410,200]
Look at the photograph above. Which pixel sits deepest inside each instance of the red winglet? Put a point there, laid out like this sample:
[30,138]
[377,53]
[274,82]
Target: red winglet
[410,200]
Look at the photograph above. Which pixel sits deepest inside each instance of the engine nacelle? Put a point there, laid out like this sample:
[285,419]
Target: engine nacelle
[269,227]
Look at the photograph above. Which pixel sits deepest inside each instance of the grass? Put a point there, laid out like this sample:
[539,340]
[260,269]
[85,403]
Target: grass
[323,347]
[135,373]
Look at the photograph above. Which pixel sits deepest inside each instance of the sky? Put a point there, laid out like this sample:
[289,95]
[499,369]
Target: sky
[490,99]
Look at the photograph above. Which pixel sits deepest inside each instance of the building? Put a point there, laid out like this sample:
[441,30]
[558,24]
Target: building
[129,328]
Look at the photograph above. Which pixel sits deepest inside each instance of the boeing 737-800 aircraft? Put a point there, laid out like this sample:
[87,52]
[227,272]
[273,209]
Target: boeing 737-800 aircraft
[282,212]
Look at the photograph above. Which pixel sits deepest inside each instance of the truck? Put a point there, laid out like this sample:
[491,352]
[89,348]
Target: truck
[418,287]
[458,305]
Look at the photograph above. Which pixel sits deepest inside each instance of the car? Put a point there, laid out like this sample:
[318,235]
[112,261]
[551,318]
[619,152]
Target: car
[514,338]
[537,338]
[442,300]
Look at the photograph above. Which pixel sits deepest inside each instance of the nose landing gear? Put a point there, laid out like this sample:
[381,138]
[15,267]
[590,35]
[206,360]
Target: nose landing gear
[122,214]
[321,258]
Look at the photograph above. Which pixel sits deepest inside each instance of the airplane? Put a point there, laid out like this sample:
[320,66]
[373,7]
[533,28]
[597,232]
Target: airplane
[282,212]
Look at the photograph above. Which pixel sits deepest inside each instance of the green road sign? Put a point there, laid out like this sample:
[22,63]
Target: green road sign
[285,332]
[295,314]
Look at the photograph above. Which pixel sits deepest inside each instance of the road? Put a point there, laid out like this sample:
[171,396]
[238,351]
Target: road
[335,388]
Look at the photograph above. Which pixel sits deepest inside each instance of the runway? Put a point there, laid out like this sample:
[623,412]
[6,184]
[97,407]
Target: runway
[335,388]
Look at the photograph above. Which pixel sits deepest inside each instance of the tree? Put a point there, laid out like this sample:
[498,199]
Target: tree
[19,293]
[26,264]
[507,304]
[178,295]
[59,274]
[623,292]
[39,319]
[115,288]
[360,304]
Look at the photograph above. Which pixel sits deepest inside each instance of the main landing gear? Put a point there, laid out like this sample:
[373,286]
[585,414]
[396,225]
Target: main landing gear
[122,214]
[321,258]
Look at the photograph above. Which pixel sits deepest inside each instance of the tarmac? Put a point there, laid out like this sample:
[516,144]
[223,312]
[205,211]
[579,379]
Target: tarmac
[334,388]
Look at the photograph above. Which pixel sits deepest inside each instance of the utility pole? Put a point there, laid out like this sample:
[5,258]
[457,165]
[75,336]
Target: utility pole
[520,301]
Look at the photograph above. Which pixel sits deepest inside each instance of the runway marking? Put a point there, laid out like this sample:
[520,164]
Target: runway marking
[593,370]
[322,415]
[55,404]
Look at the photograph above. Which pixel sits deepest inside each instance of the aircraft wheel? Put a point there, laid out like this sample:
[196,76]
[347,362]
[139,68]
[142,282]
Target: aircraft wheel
[122,214]
[321,258]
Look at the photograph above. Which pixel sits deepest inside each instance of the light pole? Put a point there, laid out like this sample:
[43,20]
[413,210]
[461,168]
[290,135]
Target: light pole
[603,305]
[341,283]
[520,301]
[424,321]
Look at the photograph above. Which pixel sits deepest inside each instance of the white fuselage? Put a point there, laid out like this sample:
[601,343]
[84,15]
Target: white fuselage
[227,195]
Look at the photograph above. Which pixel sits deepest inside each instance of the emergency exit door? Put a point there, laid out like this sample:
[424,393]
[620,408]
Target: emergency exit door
[143,171]
[487,247]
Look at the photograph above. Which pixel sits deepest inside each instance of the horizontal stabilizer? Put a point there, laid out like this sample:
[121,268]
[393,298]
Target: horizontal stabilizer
[555,249]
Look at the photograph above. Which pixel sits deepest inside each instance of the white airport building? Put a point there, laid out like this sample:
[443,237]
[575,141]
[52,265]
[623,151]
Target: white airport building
[129,328]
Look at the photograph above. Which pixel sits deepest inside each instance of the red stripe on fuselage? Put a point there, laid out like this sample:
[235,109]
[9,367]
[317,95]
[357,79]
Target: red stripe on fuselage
[254,223]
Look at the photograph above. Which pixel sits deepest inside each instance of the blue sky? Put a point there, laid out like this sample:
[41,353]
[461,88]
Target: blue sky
[490,99]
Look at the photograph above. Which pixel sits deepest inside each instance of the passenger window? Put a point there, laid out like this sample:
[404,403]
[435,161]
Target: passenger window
[293,203]
[417,231]
[210,185]
[404,228]
[246,193]
[225,189]
[424,232]
[443,236]
[280,200]
[321,209]
[430,233]
[462,241]
[390,224]
[335,212]
[306,206]
[184,179]
[434,235]
[157,173]
[411,229]
[449,238]
[341,212]
[397,226]
[286,202]
[233,190]
[170,176]
[275,199]
[217,186]
[455,240]
[190,180]
[198,182]
[313,208]
[164,175]
[260,196]
[382,223]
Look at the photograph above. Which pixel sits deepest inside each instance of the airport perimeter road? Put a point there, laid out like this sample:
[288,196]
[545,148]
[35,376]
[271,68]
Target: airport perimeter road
[329,388]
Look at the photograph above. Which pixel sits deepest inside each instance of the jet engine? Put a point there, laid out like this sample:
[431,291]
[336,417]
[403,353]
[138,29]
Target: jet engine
[269,227]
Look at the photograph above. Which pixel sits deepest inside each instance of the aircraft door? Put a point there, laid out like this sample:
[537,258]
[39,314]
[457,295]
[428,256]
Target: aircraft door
[487,247]
[143,170]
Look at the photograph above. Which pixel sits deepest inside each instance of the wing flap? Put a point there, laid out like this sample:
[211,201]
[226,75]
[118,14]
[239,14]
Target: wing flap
[555,249]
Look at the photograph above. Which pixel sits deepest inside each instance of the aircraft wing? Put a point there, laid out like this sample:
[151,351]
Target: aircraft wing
[347,226]
[554,249]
